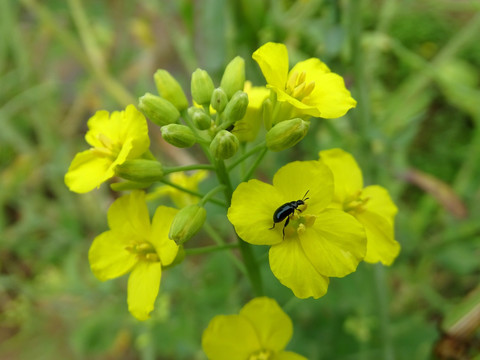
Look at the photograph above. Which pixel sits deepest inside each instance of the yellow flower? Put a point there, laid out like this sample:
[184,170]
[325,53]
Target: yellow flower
[180,198]
[247,128]
[319,242]
[260,332]
[372,205]
[310,87]
[121,136]
[135,245]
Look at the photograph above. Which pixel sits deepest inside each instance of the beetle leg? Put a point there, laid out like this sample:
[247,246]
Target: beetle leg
[284,226]
[272,226]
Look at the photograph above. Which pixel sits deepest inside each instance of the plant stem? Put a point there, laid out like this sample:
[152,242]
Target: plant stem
[254,165]
[168,170]
[191,192]
[211,193]
[247,155]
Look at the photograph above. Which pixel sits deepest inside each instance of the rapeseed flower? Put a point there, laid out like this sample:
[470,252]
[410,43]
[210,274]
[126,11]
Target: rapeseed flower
[371,206]
[261,331]
[309,87]
[319,242]
[114,138]
[135,245]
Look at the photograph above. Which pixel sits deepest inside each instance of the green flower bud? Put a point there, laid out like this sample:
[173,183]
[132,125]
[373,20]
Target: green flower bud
[201,120]
[233,78]
[140,170]
[219,99]
[187,223]
[236,107]
[177,135]
[201,87]
[224,145]
[267,113]
[170,89]
[286,134]
[159,110]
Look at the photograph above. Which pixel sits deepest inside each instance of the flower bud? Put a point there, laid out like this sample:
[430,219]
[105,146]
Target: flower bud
[170,89]
[201,87]
[187,223]
[286,134]
[201,120]
[219,99]
[140,170]
[224,145]
[159,110]
[233,78]
[236,108]
[177,135]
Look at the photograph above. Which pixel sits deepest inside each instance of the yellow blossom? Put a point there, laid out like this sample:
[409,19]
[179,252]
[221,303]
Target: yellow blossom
[319,242]
[135,245]
[309,87]
[261,331]
[114,138]
[372,205]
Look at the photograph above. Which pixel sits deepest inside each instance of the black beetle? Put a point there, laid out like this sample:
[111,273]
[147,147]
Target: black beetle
[286,210]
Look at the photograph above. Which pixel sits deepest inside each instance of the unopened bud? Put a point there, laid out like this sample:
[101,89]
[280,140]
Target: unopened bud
[236,108]
[187,223]
[201,87]
[267,113]
[170,89]
[224,145]
[219,99]
[286,134]
[233,78]
[177,135]
[159,110]
[140,170]
[201,120]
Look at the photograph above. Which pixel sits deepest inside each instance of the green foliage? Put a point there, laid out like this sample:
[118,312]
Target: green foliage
[412,66]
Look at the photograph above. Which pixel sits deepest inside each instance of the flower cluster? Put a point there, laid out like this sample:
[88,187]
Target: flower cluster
[318,218]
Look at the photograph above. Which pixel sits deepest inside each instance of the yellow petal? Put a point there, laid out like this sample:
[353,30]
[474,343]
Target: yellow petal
[287,355]
[379,201]
[313,68]
[229,337]
[347,176]
[98,124]
[143,286]
[166,249]
[129,215]
[273,61]
[108,256]
[87,171]
[330,97]
[251,212]
[335,244]
[293,269]
[272,325]
[296,178]
[381,244]
[135,129]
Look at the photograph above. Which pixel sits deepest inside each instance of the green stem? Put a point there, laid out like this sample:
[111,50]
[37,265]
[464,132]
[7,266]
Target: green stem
[168,170]
[255,164]
[247,155]
[191,192]
[253,271]
[220,242]
[380,286]
[211,193]
[209,249]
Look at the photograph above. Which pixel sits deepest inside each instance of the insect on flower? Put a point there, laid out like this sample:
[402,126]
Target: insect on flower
[286,210]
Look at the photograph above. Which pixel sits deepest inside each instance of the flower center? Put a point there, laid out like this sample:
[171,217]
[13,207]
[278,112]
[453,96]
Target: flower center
[261,355]
[355,204]
[144,251]
[109,148]
[299,222]
[297,87]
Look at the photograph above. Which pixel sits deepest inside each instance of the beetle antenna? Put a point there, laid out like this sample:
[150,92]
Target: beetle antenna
[304,196]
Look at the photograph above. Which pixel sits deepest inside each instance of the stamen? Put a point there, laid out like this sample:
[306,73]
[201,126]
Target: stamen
[298,91]
[292,81]
[301,77]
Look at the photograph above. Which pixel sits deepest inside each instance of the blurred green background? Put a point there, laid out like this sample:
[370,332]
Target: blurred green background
[414,68]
